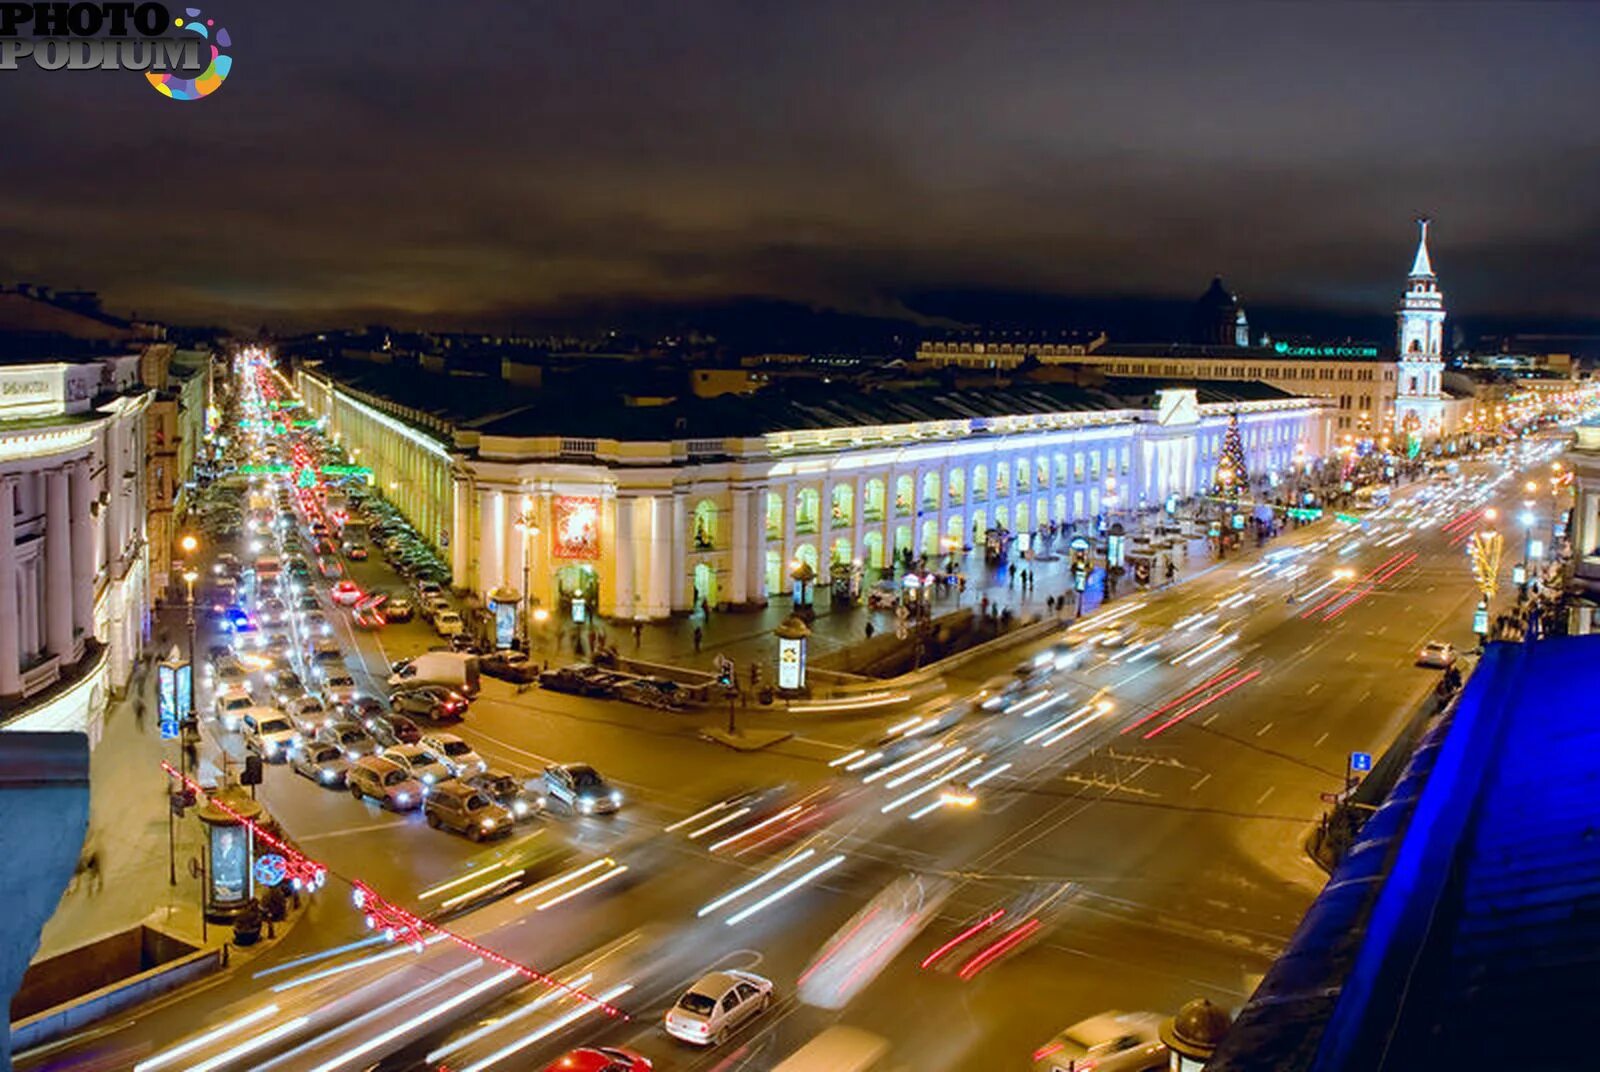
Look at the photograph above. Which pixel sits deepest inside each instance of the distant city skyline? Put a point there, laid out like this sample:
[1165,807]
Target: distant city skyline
[925,162]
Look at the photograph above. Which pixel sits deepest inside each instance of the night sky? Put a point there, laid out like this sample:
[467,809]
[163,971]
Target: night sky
[476,162]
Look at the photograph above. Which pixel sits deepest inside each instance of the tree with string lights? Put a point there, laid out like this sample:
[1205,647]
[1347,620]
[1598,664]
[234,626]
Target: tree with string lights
[1231,472]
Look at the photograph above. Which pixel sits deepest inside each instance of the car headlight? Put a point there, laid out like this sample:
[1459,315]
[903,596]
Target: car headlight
[616,797]
[586,804]
[488,824]
[427,779]
[403,798]
[520,807]
[327,776]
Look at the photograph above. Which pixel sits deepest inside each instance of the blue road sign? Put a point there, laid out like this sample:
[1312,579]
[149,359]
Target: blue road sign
[1360,762]
[271,869]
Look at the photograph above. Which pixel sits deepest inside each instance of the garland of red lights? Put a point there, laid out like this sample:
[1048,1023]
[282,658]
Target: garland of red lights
[391,920]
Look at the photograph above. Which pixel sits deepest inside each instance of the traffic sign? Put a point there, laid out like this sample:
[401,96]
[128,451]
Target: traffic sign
[271,869]
[1360,762]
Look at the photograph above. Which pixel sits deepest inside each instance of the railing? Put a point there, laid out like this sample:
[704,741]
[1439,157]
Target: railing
[579,448]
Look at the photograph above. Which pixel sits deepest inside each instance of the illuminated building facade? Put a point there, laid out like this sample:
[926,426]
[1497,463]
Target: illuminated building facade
[716,499]
[74,587]
[1420,403]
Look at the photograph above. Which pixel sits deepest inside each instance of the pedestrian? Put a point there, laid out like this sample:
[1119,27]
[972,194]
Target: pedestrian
[983,605]
[1050,603]
[870,629]
[638,635]
[191,751]
[698,636]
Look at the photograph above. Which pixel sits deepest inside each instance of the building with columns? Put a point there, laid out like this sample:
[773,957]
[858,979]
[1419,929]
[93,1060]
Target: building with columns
[74,587]
[1376,395]
[637,508]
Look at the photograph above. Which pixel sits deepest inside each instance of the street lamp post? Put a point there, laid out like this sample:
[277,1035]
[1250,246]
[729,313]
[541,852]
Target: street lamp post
[530,531]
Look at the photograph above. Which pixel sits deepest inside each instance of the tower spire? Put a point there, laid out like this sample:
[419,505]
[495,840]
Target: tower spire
[1422,266]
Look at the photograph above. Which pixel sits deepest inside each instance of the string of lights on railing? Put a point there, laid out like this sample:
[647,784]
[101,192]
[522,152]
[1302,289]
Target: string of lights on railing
[394,922]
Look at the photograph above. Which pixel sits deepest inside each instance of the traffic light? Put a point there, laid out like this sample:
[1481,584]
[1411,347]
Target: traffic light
[725,675]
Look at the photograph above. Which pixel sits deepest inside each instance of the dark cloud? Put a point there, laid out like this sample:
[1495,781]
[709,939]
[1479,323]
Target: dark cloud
[412,159]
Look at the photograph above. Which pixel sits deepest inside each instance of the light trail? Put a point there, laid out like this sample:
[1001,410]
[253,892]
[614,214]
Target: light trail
[543,1001]
[562,879]
[166,1057]
[461,898]
[732,817]
[988,956]
[434,891]
[937,783]
[932,764]
[606,876]
[1046,731]
[386,1037]
[1215,696]
[312,958]
[340,969]
[993,772]
[718,806]
[559,1024]
[783,891]
[865,761]
[1169,705]
[929,960]
[756,883]
[902,764]
[747,831]
[288,1027]
[836,946]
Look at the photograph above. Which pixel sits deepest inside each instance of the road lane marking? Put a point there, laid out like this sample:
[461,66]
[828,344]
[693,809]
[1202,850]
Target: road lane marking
[1319,740]
[1314,687]
[546,760]
[1206,778]
[1262,799]
[353,830]
[1263,730]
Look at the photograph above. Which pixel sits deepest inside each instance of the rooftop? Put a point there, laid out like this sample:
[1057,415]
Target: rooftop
[592,407]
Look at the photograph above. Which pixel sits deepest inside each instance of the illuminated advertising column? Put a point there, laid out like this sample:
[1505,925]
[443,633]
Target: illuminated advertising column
[792,635]
[229,855]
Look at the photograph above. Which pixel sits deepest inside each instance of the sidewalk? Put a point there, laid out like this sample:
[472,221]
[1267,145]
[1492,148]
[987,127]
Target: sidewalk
[128,814]
[746,636]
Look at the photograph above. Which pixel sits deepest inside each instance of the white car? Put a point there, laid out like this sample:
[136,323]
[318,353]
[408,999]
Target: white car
[456,753]
[1437,654]
[714,1007]
[1111,1042]
[338,687]
[269,734]
[447,623]
[421,761]
[309,713]
[233,702]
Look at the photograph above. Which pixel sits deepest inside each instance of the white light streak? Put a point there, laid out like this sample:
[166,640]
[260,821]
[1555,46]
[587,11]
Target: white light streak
[166,1057]
[937,783]
[561,880]
[549,1029]
[783,891]
[434,1013]
[915,757]
[756,883]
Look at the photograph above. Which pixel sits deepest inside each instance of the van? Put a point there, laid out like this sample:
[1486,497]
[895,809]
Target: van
[838,1049]
[456,670]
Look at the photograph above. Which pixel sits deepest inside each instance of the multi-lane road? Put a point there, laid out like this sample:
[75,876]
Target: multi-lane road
[1125,831]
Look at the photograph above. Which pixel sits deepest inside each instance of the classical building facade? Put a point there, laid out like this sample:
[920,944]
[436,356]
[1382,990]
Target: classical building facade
[655,511]
[1375,395]
[74,586]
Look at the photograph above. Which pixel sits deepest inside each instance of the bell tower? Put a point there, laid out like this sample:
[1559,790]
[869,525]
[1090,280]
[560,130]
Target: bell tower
[1419,408]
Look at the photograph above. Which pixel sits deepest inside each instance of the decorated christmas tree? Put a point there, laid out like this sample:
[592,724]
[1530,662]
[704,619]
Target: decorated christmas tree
[1232,477]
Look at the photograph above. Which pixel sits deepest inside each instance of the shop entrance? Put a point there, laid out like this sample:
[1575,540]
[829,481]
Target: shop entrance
[705,585]
[578,592]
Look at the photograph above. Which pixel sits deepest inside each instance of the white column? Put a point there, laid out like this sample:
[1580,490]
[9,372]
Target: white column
[680,554]
[622,559]
[460,531]
[488,553]
[739,548]
[756,537]
[659,599]
[58,564]
[10,634]
[83,564]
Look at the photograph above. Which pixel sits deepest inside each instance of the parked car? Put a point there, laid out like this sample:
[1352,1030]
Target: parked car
[580,787]
[713,1008]
[324,764]
[459,807]
[425,764]
[513,666]
[1437,654]
[268,733]
[375,778]
[457,754]
[576,680]
[1110,1042]
[433,702]
[510,791]
[447,623]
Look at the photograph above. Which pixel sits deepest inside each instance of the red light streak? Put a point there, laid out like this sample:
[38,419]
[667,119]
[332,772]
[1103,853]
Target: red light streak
[1213,698]
[1164,708]
[988,956]
[963,936]
[1367,590]
[836,946]
[1350,587]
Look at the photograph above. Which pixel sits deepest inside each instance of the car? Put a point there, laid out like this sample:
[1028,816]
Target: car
[324,549]
[271,612]
[323,658]
[230,704]
[309,713]
[600,1059]
[350,736]
[330,567]
[355,552]
[391,730]
[472,812]
[338,687]
[433,702]
[230,673]
[245,632]
[315,624]
[399,609]
[1110,1042]
[346,593]
[324,764]
[457,754]
[285,687]
[510,791]
[1437,654]
[425,764]
[580,787]
[513,666]
[428,590]
[306,602]
[269,734]
[573,679]
[375,778]
[715,1007]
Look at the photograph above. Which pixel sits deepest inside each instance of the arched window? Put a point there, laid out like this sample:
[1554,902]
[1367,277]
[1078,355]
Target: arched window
[872,500]
[980,483]
[903,490]
[842,510]
[958,487]
[774,516]
[807,502]
[930,491]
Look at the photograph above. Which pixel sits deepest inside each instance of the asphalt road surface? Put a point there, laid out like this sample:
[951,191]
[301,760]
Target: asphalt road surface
[1123,831]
